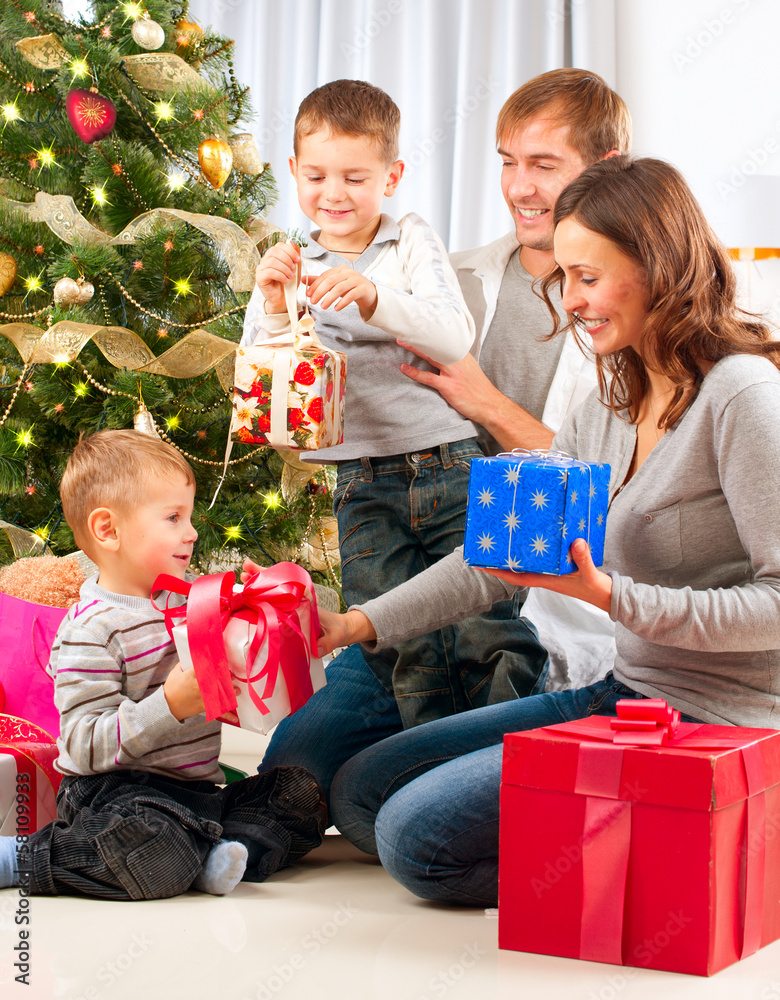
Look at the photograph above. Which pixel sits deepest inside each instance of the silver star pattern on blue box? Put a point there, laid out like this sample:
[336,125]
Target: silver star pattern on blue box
[525,511]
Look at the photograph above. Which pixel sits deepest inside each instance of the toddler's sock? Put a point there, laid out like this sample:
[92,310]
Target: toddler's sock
[9,874]
[222,870]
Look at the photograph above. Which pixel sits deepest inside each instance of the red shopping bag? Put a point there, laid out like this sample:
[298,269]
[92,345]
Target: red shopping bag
[26,635]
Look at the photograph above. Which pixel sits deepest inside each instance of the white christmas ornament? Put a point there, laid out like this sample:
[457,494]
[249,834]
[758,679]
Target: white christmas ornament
[147,33]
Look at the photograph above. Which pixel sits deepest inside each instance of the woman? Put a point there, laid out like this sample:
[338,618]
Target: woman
[689,416]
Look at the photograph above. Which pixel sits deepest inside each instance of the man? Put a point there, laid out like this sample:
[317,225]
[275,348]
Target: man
[518,392]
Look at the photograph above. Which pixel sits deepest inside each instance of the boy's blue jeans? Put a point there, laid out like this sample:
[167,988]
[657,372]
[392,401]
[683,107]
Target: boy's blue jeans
[397,516]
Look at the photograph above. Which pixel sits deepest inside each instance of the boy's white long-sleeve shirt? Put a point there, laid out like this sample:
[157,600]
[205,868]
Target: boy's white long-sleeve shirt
[418,301]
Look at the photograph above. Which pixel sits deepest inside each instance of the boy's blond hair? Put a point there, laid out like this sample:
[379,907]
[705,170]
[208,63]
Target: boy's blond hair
[111,469]
[351,107]
[597,118]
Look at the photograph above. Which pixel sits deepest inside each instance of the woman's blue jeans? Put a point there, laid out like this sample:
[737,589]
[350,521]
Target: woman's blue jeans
[426,800]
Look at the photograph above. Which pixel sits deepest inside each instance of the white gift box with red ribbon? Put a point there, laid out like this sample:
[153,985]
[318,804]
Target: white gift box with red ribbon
[253,649]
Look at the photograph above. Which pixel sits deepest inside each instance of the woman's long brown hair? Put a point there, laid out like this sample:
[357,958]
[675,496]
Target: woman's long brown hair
[647,210]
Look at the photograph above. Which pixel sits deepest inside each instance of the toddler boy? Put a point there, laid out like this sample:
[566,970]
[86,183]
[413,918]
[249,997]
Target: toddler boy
[402,486]
[140,814]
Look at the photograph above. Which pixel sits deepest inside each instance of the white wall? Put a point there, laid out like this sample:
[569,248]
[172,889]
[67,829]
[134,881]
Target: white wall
[701,80]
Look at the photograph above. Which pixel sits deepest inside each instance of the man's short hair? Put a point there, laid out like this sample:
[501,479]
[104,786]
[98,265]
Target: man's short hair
[351,107]
[111,469]
[597,118]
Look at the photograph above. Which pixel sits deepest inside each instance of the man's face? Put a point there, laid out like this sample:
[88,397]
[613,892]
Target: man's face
[538,163]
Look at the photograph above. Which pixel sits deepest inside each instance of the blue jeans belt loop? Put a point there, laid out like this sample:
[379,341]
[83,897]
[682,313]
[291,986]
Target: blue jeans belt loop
[444,451]
[368,472]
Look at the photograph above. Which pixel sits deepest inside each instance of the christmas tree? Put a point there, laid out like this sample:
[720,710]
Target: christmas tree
[132,203]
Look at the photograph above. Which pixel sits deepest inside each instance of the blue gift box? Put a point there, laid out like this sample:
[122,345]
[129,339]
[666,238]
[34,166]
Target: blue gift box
[526,509]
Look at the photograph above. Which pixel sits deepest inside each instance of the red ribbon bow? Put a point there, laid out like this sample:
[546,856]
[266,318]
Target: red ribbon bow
[270,600]
[649,722]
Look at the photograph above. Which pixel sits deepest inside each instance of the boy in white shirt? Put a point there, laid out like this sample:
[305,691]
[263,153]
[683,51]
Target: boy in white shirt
[402,486]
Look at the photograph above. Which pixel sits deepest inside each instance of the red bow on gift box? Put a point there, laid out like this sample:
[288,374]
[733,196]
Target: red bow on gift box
[270,601]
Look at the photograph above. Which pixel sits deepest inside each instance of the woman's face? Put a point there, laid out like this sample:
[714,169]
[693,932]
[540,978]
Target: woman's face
[605,289]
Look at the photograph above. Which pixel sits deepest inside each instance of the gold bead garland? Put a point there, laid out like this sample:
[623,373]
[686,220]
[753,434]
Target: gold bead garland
[19,383]
[167,322]
[27,315]
[195,174]
[161,432]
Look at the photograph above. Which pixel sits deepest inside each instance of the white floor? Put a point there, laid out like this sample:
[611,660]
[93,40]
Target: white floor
[335,927]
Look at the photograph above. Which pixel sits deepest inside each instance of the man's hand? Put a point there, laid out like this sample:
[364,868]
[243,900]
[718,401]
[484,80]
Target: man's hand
[469,391]
[275,269]
[588,583]
[464,385]
[338,286]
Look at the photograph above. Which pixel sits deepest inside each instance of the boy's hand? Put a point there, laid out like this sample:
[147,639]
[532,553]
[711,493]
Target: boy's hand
[184,698]
[183,694]
[275,269]
[342,285]
[249,570]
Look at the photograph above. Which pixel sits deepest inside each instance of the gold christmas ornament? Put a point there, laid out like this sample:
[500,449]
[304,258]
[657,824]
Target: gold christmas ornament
[43,51]
[7,272]
[66,292]
[323,541]
[246,157]
[147,33]
[143,422]
[86,291]
[216,160]
[188,33]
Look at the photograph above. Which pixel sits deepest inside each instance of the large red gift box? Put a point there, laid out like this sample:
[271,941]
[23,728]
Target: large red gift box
[28,781]
[662,855]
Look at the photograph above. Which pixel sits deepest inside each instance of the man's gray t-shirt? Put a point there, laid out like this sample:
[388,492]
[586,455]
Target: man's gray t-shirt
[514,355]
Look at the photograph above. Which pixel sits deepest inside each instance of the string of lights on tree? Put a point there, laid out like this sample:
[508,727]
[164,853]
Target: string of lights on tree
[132,212]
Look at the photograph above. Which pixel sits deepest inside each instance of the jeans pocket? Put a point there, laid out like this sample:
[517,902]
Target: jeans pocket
[343,492]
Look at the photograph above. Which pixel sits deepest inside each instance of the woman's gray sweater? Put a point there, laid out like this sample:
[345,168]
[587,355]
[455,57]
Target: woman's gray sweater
[693,547]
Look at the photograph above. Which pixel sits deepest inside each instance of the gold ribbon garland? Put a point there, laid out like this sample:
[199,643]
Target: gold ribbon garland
[60,214]
[23,542]
[163,72]
[62,343]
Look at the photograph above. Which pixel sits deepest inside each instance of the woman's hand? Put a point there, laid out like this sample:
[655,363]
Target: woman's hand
[588,583]
[335,630]
[343,630]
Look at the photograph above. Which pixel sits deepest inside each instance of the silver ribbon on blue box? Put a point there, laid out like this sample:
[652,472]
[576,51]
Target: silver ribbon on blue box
[527,507]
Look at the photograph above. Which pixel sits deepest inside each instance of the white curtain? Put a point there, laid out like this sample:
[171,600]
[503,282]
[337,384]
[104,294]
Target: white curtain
[448,64]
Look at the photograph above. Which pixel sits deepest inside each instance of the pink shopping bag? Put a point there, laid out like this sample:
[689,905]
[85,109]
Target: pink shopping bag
[26,635]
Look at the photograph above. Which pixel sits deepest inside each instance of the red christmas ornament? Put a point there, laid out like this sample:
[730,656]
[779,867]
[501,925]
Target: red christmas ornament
[92,116]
